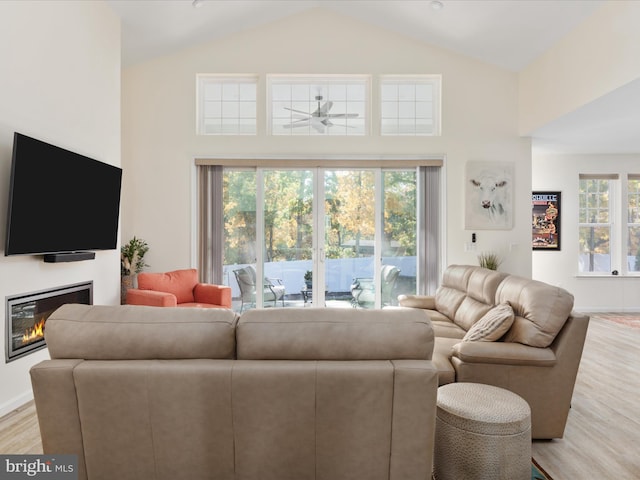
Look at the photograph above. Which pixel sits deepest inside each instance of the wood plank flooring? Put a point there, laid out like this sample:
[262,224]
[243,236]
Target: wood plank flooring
[602,434]
[19,431]
[603,430]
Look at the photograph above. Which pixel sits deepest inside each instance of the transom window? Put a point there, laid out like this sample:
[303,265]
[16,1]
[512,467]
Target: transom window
[318,105]
[410,105]
[227,104]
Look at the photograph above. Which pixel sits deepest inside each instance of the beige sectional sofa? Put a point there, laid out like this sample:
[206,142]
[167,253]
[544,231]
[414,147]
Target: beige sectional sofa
[538,355]
[172,393]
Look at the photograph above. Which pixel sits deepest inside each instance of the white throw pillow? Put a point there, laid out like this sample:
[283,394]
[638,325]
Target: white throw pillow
[493,325]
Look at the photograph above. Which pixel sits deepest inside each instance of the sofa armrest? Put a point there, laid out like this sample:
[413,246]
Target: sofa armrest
[417,301]
[504,353]
[212,294]
[151,298]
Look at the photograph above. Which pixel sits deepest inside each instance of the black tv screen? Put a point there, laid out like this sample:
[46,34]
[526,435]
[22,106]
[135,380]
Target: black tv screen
[60,201]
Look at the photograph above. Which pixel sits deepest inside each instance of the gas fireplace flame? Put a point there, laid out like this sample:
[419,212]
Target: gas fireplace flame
[34,333]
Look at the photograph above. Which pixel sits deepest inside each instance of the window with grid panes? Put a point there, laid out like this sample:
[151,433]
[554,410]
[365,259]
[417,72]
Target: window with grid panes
[227,104]
[410,105]
[318,104]
[633,223]
[595,223]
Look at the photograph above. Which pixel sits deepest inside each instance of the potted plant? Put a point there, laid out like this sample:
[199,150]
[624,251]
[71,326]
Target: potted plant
[489,260]
[131,263]
[308,279]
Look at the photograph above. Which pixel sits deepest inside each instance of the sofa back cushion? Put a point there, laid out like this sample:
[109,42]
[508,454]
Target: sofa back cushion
[467,293]
[133,332]
[541,310]
[340,334]
[179,282]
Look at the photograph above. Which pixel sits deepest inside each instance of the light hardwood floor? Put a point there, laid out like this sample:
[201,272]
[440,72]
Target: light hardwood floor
[602,434]
[19,432]
[603,430]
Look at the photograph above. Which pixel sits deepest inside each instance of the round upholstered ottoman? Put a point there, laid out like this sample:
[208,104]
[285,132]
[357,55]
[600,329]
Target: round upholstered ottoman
[482,432]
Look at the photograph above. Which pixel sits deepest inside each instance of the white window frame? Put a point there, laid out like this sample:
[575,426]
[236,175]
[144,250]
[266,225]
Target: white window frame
[313,81]
[627,224]
[615,227]
[413,108]
[237,115]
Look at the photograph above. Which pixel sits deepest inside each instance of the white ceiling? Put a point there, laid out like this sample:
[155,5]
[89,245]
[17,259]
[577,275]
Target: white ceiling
[507,33]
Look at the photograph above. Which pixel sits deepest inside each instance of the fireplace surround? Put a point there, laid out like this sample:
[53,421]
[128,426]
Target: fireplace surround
[26,316]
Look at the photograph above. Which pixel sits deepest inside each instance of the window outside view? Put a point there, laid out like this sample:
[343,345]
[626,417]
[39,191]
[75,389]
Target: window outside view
[605,246]
[323,250]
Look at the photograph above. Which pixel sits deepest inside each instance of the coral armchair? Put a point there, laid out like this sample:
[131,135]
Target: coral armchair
[179,288]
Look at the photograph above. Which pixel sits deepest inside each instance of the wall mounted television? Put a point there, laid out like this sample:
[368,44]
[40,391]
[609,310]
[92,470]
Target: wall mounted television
[62,204]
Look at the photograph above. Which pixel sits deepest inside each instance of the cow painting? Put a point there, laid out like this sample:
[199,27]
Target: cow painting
[489,196]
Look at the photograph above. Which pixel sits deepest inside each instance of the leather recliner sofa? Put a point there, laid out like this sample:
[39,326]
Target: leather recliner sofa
[538,356]
[171,393]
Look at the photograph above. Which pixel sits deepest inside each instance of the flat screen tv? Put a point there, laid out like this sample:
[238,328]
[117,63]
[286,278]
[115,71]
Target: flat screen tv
[60,202]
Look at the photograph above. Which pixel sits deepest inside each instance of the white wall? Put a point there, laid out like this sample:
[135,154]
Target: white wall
[594,59]
[594,293]
[479,110]
[59,82]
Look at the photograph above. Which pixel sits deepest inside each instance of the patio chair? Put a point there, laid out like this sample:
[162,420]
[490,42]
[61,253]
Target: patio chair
[274,289]
[363,291]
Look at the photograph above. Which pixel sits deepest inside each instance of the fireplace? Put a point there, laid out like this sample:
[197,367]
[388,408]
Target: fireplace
[27,315]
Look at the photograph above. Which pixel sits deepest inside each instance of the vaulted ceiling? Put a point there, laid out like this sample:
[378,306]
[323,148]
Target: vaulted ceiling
[507,33]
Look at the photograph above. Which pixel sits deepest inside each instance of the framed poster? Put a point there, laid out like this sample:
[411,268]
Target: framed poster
[545,221]
[489,196]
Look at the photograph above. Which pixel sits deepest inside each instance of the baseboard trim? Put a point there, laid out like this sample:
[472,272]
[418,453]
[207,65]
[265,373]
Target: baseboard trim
[16,402]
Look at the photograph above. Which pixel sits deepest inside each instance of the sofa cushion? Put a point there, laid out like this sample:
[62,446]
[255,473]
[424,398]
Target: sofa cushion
[134,332]
[179,282]
[442,350]
[467,293]
[342,334]
[452,291]
[541,310]
[493,325]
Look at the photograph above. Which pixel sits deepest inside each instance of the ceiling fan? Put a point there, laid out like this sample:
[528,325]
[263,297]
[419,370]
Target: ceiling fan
[320,118]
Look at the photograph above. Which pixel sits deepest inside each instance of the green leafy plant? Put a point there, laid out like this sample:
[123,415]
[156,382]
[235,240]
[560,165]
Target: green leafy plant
[308,279]
[132,256]
[490,260]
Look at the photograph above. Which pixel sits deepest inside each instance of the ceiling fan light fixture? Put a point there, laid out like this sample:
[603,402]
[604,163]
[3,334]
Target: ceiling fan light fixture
[436,5]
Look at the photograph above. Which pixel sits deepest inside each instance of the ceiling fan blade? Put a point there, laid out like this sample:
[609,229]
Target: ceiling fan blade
[342,115]
[318,127]
[297,111]
[301,123]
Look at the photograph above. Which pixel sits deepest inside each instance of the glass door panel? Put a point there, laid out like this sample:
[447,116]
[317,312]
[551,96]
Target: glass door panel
[348,259]
[239,255]
[288,237]
[399,246]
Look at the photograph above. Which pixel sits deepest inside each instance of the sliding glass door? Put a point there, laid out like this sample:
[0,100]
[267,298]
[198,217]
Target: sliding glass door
[320,237]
